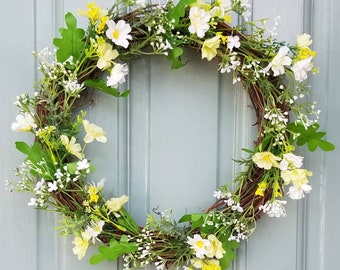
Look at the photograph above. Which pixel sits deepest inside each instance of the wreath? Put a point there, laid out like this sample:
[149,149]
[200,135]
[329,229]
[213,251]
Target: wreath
[55,168]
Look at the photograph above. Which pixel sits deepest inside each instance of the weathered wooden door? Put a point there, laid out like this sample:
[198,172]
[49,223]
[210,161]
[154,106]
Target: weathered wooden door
[171,142]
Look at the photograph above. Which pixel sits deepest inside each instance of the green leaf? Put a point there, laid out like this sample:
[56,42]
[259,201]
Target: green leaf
[196,219]
[229,247]
[35,154]
[311,137]
[114,250]
[178,11]
[127,221]
[71,42]
[99,84]
[175,56]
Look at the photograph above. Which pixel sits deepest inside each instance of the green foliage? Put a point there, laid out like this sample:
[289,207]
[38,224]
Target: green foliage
[175,56]
[114,250]
[229,247]
[71,42]
[99,84]
[178,11]
[36,155]
[311,137]
[196,219]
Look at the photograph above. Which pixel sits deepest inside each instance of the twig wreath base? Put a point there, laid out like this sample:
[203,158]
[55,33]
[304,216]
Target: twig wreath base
[56,168]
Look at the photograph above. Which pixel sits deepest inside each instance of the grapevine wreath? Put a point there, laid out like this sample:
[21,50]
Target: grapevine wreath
[55,168]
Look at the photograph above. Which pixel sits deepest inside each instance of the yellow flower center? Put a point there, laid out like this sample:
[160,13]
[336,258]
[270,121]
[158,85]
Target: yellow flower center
[115,34]
[199,244]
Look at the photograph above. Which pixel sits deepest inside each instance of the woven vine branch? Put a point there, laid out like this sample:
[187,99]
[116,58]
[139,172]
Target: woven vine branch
[55,168]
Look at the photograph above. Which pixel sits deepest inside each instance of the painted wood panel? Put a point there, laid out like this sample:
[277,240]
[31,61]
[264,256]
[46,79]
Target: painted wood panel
[171,142]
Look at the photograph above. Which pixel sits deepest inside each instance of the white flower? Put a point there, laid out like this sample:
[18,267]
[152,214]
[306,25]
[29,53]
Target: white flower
[199,245]
[33,202]
[199,20]
[83,165]
[52,186]
[94,229]
[298,192]
[141,3]
[218,194]
[233,42]
[237,208]
[23,122]
[245,6]
[290,159]
[117,75]
[73,87]
[279,61]
[274,209]
[119,32]
[224,4]
[301,68]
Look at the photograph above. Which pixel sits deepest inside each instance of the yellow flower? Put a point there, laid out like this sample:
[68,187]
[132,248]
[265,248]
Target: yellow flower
[93,132]
[305,53]
[265,160]
[261,188]
[277,190]
[93,191]
[224,39]
[94,12]
[71,146]
[101,25]
[106,55]
[115,204]
[93,195]
[211,265]
[227,18]
[297,177]
[215,249]
[81,244]
[209,47]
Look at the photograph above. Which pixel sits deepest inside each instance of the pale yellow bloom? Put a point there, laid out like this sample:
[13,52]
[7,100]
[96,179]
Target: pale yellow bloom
[297,177]
[71,146]
[115,204]
[81,244]
[265,160]
[106,55]
[303,41]
[93,132]
[209,48]
[215,249]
